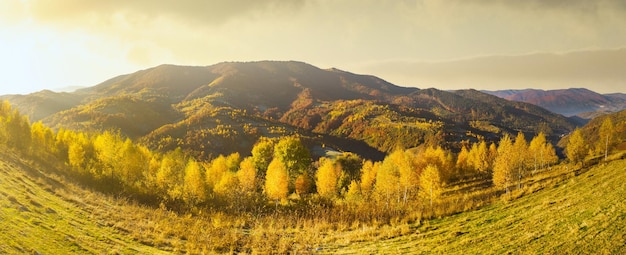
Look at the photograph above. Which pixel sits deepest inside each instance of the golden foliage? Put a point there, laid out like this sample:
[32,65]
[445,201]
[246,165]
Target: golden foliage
[431,183]
[504,164]
[194,185]
[247,176]
[368,177]
[576,146]
[327,177]
[277,180]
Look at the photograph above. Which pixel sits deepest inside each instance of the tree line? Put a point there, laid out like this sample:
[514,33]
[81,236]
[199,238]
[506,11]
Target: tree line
[281,170]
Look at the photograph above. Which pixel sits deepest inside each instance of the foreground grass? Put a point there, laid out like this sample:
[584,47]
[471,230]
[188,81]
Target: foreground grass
[36,219]
[41,213]
[583,215]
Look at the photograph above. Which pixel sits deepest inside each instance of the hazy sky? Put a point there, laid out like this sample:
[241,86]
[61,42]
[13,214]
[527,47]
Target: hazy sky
[54,44]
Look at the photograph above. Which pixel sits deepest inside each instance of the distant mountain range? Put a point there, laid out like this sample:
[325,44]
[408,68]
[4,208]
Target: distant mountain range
[226,107]
[579,102]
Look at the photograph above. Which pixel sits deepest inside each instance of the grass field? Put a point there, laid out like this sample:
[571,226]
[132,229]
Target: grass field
[583,215]
[38,216]
[41,213]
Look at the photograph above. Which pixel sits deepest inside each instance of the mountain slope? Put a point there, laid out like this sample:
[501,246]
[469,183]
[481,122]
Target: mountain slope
[226,107]
[590,131]
[42,104]
[568,102]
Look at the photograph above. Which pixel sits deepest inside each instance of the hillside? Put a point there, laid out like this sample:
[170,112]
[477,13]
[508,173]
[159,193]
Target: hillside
[591,130]
[42,215]
[45,103]
[226,107]
[580,216]
[568,102]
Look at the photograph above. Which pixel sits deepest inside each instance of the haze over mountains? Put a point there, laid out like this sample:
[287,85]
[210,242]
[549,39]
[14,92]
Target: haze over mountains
[601,69]
[568,102]
[226,107]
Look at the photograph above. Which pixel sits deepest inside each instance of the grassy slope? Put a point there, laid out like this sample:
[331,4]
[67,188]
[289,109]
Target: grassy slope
[39,216]
[584,215]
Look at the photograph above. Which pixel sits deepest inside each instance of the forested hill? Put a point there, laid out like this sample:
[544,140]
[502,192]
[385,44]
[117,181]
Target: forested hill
[226,107]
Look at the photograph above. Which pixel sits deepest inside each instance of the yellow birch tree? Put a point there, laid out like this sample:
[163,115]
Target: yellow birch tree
[277,181]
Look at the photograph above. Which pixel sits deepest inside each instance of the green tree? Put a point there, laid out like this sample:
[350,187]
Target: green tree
[296,158]
[351,165]
[262,154]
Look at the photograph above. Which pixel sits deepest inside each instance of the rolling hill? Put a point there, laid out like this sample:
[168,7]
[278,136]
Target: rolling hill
[226,107]
[568,102]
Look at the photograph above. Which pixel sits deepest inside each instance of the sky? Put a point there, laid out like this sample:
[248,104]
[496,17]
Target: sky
[451,44]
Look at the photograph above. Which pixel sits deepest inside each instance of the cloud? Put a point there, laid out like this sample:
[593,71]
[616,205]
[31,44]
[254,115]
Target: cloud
[326,33]
[601,70]
[196,12]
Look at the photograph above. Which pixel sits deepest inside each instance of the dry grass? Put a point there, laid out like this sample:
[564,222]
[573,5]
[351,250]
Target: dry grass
[584,214]
[554,211]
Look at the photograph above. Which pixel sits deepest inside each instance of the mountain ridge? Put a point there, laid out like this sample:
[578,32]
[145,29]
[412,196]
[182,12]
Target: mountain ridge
[568,102]
[226,107]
